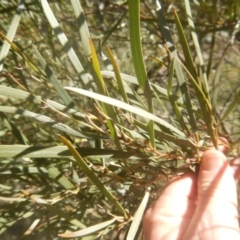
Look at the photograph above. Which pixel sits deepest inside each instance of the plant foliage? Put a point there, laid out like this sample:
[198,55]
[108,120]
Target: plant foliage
[102,102]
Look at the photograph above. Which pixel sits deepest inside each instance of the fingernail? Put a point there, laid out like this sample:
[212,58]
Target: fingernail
[212,160]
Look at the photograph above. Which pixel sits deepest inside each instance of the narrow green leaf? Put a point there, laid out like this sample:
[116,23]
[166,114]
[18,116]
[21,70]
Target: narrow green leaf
[17,133]
[211,54]
[19,52]
[179,141]
[151,133]
[54,173]
[88,230]
[47,121]
[197,46]
[231,106]
[130,92]
[96,67]
[82,26]
[186,50]
[12,199]
[173,100]
[216,81]
[135,42]
[82,164]
[19,170]
[64,41]
[201,93]
[8,151]
[179,71]
[65,109]
[206,110]
[20,94]
[133,80]
[31,228]
[75,115]
[137,57]
[127,107]
[117,75]
[11,33]
[53,79]
[15,220]
[138,217]
[57,211]
[108,110]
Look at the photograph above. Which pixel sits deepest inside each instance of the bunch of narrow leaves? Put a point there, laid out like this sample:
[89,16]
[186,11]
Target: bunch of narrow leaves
[84,147]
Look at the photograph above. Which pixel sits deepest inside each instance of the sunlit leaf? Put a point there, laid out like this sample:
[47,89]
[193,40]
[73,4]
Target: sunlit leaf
[127,107]
[88,230]
[11,33]
[137,218]
[82,164]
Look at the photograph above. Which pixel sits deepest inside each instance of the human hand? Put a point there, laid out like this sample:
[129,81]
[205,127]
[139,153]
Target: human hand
[199,206]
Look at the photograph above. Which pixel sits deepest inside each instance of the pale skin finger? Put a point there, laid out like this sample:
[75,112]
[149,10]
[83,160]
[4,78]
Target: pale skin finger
[188,211]
[173,209]
[235,164]
[216,212]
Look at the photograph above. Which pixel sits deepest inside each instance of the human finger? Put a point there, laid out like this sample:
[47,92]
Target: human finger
[235,164]
[171,214]
[217,197]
